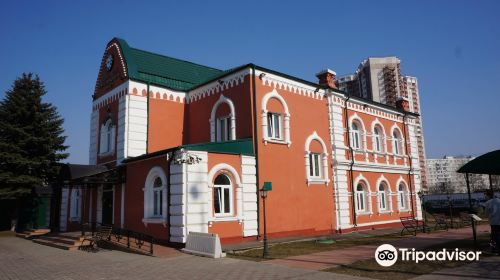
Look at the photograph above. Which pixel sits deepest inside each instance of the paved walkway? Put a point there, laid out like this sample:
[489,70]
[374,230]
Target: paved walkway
[334,258]
[488,268]
[23,259]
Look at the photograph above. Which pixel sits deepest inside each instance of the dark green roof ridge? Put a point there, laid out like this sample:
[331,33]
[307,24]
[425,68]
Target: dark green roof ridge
[169,72]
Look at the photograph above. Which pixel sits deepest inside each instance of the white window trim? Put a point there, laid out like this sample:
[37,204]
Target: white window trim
[223,99]
[231,197]
[324,178]
[368,195]
[382,137]
[397,141]
[272,116]
[388,196]
[104,137]
[362,132]
[222,124]
[363,194]
[406,195]
[148,216]
[286,119]
[237,201]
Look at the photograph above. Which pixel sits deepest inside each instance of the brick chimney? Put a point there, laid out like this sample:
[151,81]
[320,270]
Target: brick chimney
[403,104]
[327,78]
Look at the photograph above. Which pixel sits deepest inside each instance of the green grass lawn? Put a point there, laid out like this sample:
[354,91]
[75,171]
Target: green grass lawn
[406,270]
[283,250]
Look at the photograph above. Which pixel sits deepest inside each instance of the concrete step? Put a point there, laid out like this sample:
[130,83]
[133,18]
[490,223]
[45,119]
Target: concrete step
[41,231]
[23,234]
[32,233]
[66,236]
[56,244]
[61,239]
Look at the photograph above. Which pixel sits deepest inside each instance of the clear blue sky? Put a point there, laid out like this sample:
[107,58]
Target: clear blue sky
[453,47]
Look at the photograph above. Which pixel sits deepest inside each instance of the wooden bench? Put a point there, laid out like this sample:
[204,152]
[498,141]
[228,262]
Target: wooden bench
[411,225]
[103,233]
[441,221]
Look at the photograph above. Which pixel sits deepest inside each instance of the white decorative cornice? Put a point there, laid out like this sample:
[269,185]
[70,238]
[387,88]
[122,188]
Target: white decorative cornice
[110,96]
[217,86]
[282,83]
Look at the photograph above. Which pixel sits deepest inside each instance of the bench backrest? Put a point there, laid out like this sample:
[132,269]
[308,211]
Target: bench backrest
[104,232]
[439,217]
[409,221]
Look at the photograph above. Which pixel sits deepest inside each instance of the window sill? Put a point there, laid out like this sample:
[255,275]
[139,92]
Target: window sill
[317,181]
[380,212]
[106,154]
[147,221]
[224,219]
[364,213]
[276,141]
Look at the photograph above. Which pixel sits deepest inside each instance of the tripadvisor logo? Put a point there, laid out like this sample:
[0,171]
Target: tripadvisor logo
[387,255]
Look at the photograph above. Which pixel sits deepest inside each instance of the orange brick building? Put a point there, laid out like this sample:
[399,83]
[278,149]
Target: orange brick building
[192,145]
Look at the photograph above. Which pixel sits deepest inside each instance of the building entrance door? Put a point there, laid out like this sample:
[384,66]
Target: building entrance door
[107,206]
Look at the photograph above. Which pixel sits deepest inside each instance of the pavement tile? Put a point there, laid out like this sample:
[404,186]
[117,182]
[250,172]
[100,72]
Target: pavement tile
[23,259]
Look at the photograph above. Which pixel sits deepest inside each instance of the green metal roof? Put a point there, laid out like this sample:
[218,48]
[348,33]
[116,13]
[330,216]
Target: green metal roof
[242,146]
[165,71]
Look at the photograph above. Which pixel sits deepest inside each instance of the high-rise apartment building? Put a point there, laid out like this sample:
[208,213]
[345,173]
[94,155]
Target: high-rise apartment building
[380,79]
[442,176]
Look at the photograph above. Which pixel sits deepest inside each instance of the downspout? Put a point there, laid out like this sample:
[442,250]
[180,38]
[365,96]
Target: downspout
[147,117]
[409,171]
[256,146]
[351,151]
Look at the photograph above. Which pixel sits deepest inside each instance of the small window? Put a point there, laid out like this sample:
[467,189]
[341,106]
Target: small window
[107,137]
[355,137]
[222,196]
[75,203]
[274,126]
[396,143]
[402,196]
[382,197]
[315,165]
[360,198]
[158,197]
[223,129]
[377,140]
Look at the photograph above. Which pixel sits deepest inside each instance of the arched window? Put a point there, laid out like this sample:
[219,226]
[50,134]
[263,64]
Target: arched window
[361,200]
[223,196]
[377,139]
[158,197]
[155,196]
[316,157]
[402,203]
[382,197]
[356,141]
[274,126]
[396,142]
[107,139]
[275,123]
[223,127]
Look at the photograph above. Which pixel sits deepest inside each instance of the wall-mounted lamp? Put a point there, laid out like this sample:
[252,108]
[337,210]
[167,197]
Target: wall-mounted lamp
[262,75]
